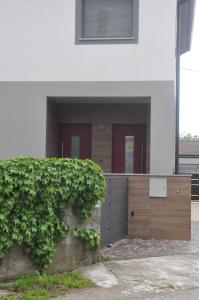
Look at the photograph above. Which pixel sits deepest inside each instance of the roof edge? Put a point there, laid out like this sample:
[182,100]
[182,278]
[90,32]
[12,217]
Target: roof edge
[186,13]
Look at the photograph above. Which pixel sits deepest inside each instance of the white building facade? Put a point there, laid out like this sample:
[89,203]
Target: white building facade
[96,73]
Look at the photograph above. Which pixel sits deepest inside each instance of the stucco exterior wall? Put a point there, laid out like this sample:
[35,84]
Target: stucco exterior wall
[39,59]
[23,110]
[38,44]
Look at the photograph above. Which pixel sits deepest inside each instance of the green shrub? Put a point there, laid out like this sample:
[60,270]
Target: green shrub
[33,196]
[90,237]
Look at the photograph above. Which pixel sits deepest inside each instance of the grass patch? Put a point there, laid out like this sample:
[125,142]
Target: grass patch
[39,294]
[44,287]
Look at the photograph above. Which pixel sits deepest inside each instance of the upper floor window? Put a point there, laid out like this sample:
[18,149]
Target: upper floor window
[106,21]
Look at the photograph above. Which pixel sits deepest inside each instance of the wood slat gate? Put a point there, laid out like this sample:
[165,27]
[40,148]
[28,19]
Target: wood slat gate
[114,215]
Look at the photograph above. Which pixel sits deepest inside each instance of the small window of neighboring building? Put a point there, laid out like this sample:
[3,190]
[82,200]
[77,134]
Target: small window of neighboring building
[107,21]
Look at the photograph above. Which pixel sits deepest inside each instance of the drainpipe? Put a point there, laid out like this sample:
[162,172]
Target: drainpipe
[177,133]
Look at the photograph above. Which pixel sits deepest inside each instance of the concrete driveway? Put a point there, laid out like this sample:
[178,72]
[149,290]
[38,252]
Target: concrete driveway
[147,270]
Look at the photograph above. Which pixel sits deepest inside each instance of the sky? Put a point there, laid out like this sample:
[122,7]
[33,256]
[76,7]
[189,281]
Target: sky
[189,91]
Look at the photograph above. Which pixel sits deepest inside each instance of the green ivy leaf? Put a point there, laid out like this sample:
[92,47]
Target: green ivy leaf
[33,196]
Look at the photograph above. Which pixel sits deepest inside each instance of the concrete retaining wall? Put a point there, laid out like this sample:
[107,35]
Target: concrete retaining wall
[70,253]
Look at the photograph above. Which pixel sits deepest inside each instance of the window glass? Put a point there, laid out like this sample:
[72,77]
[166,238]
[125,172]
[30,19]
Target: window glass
[129,154]
[75,147]
[107,18]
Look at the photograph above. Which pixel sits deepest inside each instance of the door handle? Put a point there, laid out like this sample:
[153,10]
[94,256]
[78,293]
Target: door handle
[142,159]
[62,149]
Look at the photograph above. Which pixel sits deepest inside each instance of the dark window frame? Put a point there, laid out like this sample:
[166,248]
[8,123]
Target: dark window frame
[79,39]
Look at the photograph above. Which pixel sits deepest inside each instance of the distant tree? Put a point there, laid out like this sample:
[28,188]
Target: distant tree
[186,137]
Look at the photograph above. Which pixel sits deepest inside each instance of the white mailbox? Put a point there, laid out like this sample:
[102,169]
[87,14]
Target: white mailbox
[158,187]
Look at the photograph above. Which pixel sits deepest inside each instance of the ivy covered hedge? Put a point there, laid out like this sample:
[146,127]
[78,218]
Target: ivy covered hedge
[34,194]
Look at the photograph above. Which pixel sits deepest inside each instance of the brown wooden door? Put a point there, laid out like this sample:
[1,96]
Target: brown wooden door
[129,148]
[75,141]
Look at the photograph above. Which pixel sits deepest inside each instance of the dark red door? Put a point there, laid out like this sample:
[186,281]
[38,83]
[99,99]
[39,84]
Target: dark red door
[129,148]
[75,141]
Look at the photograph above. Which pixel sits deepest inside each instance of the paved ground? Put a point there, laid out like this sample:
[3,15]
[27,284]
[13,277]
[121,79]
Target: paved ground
[147,270]
[3,293]
[147,278]
[192,294]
